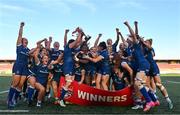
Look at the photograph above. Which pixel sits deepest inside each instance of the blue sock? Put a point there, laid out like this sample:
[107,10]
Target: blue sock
[35,95]
[30,93]
[152,95]
[11,94]
[63,92]
[17,93]
[145,94]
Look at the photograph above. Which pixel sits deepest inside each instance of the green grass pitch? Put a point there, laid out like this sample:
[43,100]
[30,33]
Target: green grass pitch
[171,83]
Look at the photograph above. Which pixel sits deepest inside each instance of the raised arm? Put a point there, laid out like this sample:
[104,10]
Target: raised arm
[78,40]
[131,32]
[32,51]
[97,40]
[117,38]
[136,27]
[65,37]
[19,40]
[48,43]
[40,41]
[122,38]
[36,56]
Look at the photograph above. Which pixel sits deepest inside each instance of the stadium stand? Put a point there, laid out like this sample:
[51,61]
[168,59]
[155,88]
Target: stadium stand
[169,66]
[166,66]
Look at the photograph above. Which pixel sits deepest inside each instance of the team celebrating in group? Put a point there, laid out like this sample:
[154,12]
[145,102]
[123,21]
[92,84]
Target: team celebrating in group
[101,66]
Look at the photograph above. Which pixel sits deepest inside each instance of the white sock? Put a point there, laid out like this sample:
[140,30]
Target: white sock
[155,91]
[168,99]
[39,101]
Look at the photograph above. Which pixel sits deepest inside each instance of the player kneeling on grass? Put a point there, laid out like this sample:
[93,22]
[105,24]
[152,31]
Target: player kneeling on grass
[79,73]
[40,80]
[118,82]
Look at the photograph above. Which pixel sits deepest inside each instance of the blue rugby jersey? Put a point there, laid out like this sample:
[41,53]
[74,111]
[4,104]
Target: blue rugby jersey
[149,54]
[78,74]
[104,65]
[140,60]
[138,53]
[118,82]
[22,54]
[68,66]
[54,54]
[42,73]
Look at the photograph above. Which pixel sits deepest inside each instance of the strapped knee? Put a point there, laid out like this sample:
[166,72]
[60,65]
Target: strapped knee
[68,80]
[140,81]
[160,86]
[138,84]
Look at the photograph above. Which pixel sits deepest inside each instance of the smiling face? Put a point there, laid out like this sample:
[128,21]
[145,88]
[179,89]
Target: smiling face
[24,42]
[121,46]
[56,45]
[109,42]
[129,40]
[45,60]
[149,42]
[85,49]
[93,49]
[44,52]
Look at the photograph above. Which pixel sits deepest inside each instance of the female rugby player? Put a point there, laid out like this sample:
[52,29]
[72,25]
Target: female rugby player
[154,71]
[20,68]
[68,67]
[143,68]
[103,66]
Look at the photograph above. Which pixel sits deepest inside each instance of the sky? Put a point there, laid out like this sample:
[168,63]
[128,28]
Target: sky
[158,19]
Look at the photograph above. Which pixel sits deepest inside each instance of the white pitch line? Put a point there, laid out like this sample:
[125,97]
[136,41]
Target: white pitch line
[14,111]
[173,82]
[6,91]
